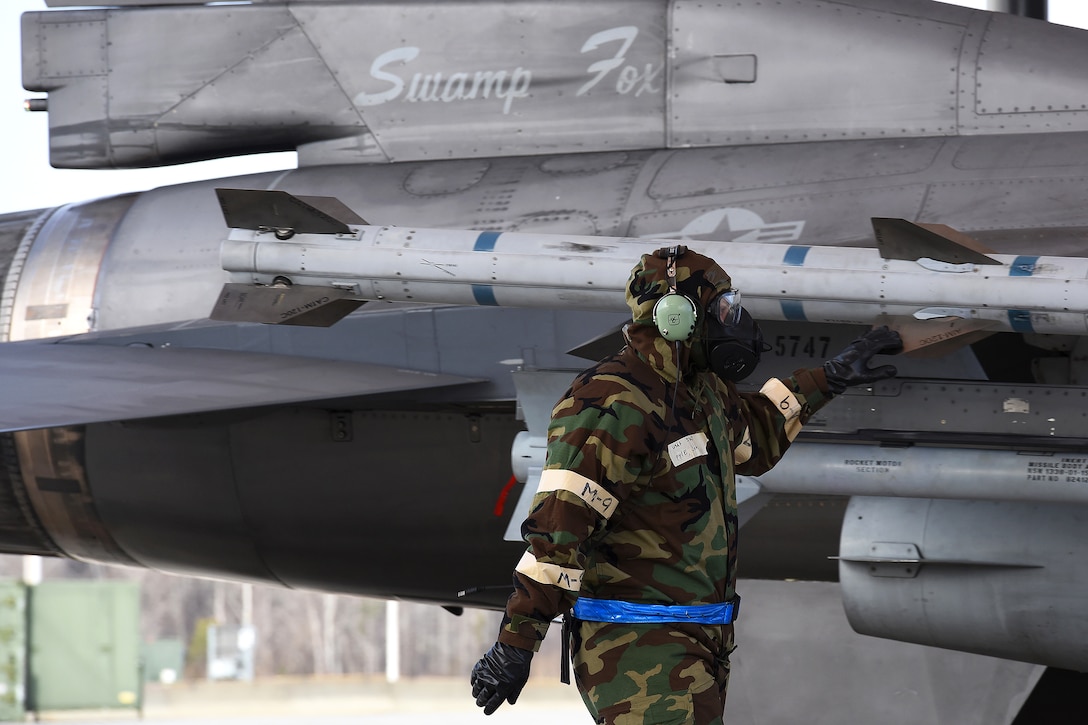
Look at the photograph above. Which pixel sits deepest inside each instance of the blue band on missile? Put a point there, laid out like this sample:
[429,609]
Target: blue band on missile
[793,310]
[795,256]
[1023,266]
[484,294]
[486,242]
[1020,321]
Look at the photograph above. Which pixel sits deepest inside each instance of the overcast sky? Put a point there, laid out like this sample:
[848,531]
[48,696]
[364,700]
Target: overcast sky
[29,182]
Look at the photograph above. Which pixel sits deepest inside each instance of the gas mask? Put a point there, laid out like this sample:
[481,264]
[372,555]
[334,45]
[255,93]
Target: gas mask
[734,343]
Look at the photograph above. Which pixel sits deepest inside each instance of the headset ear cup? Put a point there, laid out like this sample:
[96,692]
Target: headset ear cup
[675,316]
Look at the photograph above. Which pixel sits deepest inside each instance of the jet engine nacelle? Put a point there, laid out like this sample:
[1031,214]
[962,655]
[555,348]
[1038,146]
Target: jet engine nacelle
[933,572]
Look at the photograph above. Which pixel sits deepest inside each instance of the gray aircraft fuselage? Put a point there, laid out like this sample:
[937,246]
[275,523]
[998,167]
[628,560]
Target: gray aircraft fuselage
[788,123]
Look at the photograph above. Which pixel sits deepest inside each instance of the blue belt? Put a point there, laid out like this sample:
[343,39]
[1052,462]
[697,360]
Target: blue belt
[614,610]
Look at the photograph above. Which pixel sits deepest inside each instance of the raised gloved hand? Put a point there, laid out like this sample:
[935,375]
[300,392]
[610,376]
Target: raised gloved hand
[499,675]
[851,366]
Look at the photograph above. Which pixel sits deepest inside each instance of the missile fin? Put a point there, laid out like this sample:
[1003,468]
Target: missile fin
[938,336]
[333,207]
[901,239]
[296,305]
[600,346]
[274,209]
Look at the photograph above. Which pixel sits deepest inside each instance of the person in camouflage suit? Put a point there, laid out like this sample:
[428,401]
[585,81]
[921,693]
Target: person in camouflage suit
[634,524]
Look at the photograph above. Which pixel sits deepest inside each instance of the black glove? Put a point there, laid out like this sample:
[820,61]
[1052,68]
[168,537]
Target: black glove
[499,675]
[851,366]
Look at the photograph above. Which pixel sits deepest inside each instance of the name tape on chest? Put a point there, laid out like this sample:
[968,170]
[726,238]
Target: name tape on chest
[688,448]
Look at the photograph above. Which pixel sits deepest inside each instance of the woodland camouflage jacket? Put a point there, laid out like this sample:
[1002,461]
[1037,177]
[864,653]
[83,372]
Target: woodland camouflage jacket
[638,497]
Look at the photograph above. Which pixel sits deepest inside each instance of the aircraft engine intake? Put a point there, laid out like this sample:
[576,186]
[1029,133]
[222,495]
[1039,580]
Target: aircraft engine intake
[932,572]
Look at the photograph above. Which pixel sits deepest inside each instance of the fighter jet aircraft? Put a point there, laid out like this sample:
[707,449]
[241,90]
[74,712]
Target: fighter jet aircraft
[385,452]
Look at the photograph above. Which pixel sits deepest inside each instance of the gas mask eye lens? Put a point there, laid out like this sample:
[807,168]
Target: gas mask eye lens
[726,307]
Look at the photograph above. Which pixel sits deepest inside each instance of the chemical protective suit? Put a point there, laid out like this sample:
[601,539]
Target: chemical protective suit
[634,524]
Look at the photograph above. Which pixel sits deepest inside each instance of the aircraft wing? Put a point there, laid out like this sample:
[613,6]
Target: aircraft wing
[50,384]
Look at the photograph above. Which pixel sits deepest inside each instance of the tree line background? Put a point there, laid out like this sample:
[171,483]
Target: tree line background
[302,633]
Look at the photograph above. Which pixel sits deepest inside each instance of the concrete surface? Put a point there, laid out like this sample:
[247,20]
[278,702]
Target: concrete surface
[797,661]
[338,701]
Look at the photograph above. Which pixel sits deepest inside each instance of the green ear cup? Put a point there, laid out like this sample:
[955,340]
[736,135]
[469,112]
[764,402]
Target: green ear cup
[675,317]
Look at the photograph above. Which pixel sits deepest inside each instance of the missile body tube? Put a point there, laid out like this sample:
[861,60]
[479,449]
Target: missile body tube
[809,283]
[922,472]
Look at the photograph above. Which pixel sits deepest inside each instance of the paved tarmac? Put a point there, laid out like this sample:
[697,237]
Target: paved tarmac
[522,716]
[798,662]
[347,701]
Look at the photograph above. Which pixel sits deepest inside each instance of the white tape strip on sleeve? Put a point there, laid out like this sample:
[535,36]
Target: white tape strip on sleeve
[776,391]
[743,450]
[560,576]
[593,493]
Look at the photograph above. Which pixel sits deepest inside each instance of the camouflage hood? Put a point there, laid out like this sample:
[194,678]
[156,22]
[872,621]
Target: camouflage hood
[699,278]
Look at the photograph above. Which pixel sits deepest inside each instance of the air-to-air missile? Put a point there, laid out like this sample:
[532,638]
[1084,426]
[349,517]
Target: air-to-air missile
[310,260]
